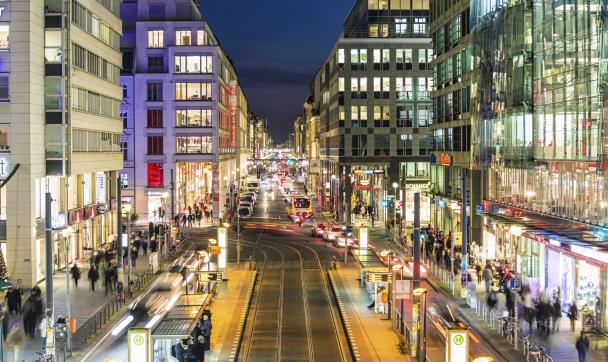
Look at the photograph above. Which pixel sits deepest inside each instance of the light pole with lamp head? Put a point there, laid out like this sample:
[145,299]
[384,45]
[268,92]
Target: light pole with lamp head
[422,352]
[388,254]
[127,209]
[67,235]
[333,200]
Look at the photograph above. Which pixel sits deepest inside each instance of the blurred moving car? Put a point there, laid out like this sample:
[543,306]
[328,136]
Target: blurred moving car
[330,233]
[318,229]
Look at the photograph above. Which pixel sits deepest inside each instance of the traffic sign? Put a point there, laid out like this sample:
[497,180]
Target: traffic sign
[514,284]
[376,277]
[215,250]
[204,276]
[457,345]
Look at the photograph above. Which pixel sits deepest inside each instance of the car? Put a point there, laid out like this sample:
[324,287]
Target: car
[343,239]
[244,212]
[246,204]
[330,233]
[252,194]
[318,229]
[249,199]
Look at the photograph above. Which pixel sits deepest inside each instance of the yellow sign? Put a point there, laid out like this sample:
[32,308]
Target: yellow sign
[214,250]
[457,238]
[379,278]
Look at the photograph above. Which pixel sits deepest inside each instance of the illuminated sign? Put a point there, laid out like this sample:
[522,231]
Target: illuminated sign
[424,186]
[362,238]
[222,235]
[457,345]
[457,238]
[232,106]
[139,344]
[5,165]
[210,276]
[445,160]
[155,175]
[376,277]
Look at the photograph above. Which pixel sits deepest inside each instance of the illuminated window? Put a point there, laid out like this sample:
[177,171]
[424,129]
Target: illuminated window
[340,56]
[193,91]
[400,26]
[4,36]
[193,118]
[182,37]
[155,38]
[373,30]
[201,37]
[193,64]
[340,84]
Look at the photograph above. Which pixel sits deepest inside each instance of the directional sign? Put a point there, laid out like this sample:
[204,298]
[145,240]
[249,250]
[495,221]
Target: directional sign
[376,277]
[210,276]
[139,343]
[514,284]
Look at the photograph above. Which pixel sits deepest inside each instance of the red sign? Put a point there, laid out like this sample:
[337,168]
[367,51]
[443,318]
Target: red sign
[155,175]
[75,216]
[445,160]
[232,104]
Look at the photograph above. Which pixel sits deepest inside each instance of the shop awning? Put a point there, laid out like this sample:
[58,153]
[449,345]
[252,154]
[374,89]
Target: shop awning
[557,229]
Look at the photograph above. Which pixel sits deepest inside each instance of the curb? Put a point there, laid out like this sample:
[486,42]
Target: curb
[236,345]
[352,345]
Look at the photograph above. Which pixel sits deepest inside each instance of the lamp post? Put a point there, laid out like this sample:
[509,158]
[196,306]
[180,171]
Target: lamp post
[389,256]
[67,235]
[395,187]
[127,209]
[333,201]
[422,352]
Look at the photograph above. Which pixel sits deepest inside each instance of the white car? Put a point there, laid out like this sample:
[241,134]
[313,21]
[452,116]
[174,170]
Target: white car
[246,204]
[331,233]
[252,194]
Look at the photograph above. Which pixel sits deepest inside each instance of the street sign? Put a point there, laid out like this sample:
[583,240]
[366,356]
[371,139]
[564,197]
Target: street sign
[139,344]
[210,276]
[457,238]
[403,289]
[514,284]
[215,250]
[457,345]
[376,277]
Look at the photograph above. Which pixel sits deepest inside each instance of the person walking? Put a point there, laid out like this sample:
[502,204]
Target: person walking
[107,280]
[479,272]
[572,315]
[144,246]
[206,328]
[5,318]
[75,271]
[93,276]
[487,277]
[557,314]
[582,346]
[13,300]
[133,255]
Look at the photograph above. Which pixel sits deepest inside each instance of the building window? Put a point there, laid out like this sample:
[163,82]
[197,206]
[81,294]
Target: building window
[382,145]
[404,145]
[193,118]
[123,116]
[193,64]
[194,144]
[155,39]
[155,175]
[4,30]
[358,116]
[155,118]
[182,37]
[193,91]
[424,87]
[419,25]
[340,56]
[405,116]
[4,86]
[155,145]
[404,88]
[201,37]
[422,59]
[341,116]
[155,91]
[155,64]
[359,145]
[400,26]
[403,59]
[124,147]
[373,30]
[52,47]
[358,59]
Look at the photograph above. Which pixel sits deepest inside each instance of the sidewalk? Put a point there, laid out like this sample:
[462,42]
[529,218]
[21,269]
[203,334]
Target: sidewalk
[374,338]
[559,345]
[228,312]
[83,304]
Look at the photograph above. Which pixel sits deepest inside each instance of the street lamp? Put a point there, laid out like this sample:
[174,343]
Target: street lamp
[333,200]
[67,235]
[395,187]
[388,254]
[417,293]
[127,208]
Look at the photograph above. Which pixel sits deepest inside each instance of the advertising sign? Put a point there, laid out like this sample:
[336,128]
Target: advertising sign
[415,327]
[403,289]
[457,345]
[362,238]
[5,165]
[139,344]
[457,238]
[210,276]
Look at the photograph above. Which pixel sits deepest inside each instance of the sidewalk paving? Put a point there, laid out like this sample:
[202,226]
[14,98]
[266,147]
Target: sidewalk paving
[559,345]
[83,305]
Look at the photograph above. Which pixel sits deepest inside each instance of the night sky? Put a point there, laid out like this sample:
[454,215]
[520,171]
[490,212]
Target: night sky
[277,47]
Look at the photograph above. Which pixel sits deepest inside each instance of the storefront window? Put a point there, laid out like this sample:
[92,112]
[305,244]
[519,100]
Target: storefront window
[194,144]
[588,287]
[86,188]
[561,276]
[4,29]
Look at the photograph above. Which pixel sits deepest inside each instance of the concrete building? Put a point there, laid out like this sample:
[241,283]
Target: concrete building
[452,136]
[184,110]
[312,145]
[299,136]
[60,129]
[375,110]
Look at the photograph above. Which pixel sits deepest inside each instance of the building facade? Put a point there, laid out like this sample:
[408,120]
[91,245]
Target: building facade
[60,113]
[375,110]
[538,103]
[312,145]
[185,113]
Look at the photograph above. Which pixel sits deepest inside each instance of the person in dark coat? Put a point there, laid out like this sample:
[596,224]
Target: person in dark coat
[447,261]
[5,318]
[75,271]
[178,350]
[13,300]
[582,346]
[572,315]
[93,276]
[32,310]
[206,328]
[510,304]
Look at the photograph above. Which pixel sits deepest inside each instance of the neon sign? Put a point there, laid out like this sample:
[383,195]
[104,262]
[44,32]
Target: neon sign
[232,106]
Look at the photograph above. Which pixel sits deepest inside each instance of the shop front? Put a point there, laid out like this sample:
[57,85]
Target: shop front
[194,182]
[92,226]
[369,189]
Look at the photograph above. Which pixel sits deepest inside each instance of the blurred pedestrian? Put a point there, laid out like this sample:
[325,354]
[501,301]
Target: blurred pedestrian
[75,271]
[557,314]
[144,246]
[93,276]
[5,320]
[582,346]
[572,315]
[487,277]
[206,328]
[13,300]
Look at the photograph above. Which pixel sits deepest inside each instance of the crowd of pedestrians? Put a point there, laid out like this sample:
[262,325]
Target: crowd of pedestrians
[194,214]
[194,347]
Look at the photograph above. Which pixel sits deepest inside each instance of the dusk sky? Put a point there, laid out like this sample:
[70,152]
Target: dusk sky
[276,46]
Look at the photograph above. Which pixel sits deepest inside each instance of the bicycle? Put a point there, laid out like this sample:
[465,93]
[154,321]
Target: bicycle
[43,357]
[525,345]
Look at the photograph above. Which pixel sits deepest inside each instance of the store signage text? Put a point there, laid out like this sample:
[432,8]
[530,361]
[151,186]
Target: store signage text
[232,103]
[424,186]
[1,10]
[5,165]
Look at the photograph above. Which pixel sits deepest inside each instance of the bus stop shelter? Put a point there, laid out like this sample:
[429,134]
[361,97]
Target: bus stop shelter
[177,324]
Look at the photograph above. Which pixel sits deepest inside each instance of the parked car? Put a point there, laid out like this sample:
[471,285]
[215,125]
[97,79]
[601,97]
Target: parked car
[244,212]
[318,229]
[249,199]
[247,205]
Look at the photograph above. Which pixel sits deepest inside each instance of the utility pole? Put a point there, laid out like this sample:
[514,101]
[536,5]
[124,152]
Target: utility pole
[465,229]
[49,270]
[172,186]
[119,246]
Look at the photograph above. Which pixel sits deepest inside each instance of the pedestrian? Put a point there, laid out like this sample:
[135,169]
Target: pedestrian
[133,255]
[13,300]
[196,349]
[93,276]
[492,299]
[144,246]
[528,307]
[153,244]
[75,271]
[582,346]
[447,260]
[573,315]
[178,351]
[479,272]
[487,277]
[206,328]
[510,303]
[557,314]
[42,328]
[5,320]
[107,280]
